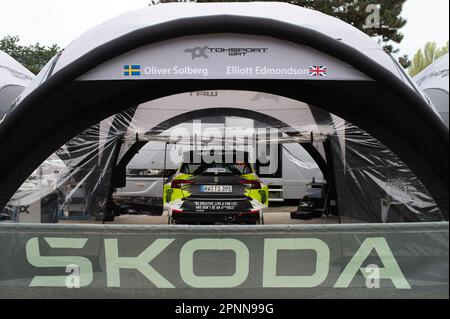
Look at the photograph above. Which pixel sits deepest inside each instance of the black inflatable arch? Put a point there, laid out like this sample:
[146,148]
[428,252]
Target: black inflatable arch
[61,107]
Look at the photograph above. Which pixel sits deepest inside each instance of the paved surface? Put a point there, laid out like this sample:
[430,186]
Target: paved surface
[275,215]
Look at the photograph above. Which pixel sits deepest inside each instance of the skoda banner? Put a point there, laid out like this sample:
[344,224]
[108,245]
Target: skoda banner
[321,261]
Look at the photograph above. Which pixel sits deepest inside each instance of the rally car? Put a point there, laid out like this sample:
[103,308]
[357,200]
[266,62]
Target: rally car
[221,191]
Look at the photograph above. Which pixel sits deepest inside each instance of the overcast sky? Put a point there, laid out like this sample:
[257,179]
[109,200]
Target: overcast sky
[61,21]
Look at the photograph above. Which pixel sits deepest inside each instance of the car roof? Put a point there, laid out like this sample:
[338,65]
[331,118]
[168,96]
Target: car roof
[238,156]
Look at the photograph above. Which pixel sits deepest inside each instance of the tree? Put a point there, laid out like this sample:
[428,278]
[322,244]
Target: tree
[423,59]
[33,57]
[381,20]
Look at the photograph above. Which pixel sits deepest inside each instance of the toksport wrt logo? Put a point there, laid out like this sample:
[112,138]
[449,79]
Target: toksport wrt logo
[203,51]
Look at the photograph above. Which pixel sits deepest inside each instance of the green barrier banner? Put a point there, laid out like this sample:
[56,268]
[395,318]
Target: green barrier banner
[302,261]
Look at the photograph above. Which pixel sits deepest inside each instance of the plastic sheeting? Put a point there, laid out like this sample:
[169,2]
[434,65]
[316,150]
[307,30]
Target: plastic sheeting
[374,185]
[370,182]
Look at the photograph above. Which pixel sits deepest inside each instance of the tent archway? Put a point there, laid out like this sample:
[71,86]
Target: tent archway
[41,124]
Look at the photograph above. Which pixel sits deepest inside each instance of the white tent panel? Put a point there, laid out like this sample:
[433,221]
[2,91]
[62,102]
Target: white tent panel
[291,114]
[12,72]
[282,12]
[142,18]
[434,82]
[435,76]
[14,77]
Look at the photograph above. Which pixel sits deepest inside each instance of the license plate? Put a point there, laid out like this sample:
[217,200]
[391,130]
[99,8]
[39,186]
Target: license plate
[216,188]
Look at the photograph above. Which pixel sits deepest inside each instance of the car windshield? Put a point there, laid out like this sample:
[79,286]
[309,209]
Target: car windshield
[216,168]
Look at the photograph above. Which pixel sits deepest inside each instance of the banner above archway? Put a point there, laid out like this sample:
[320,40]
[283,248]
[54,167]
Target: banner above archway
[225,56]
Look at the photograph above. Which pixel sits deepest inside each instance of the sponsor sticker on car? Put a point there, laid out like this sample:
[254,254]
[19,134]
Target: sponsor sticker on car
[205,206]
[216,188]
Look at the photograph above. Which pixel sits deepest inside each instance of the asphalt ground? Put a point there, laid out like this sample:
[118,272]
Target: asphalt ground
[279,215]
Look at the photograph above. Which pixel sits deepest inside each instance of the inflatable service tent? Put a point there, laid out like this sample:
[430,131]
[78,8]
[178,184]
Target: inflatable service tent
[434,82]
[339,95]
[14,77]
[227,75]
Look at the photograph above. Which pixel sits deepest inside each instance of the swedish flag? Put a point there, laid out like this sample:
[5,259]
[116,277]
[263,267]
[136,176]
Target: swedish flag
[131,69]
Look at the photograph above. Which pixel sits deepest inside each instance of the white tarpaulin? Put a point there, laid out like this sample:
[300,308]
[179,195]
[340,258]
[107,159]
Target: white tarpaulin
[434,82]
[14,77]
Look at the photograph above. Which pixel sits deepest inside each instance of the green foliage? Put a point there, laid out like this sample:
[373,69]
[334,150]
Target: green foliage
[404,61]
[33,57]
[424,58]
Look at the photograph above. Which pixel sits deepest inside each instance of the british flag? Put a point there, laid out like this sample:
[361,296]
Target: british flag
[317,70]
